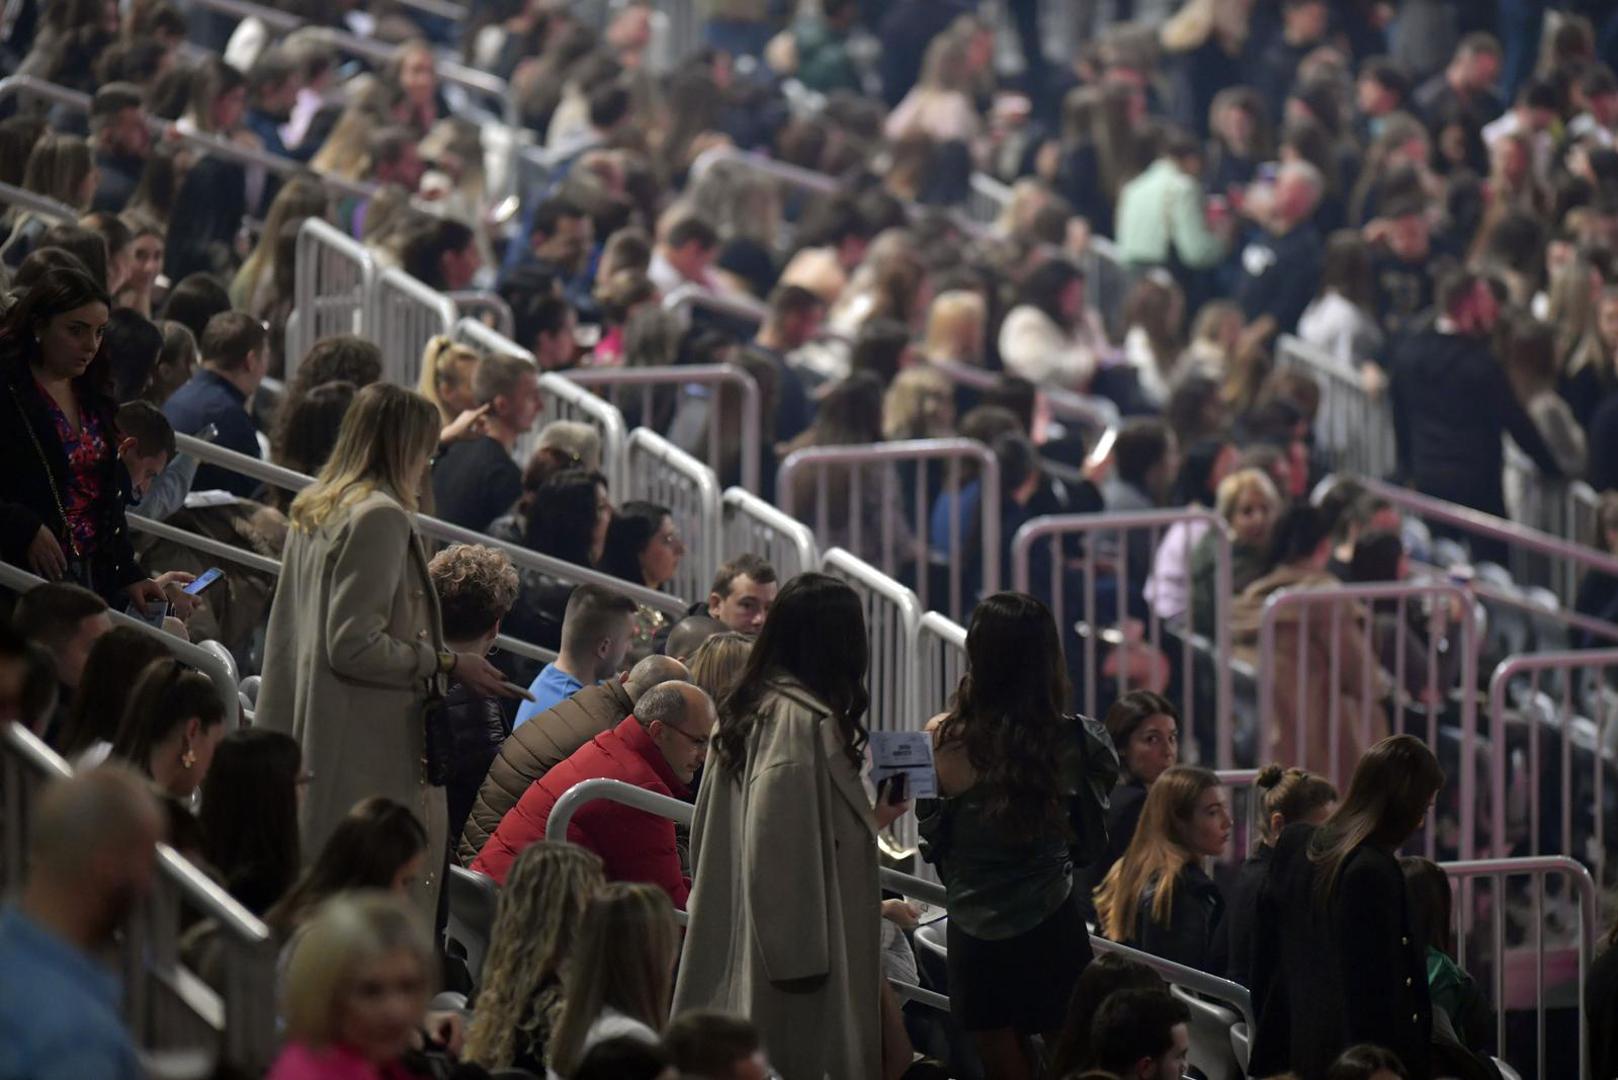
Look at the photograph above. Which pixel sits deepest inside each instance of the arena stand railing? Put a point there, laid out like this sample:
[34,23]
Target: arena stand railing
[1354,427]
[753,525]
[660,472]
[486,307]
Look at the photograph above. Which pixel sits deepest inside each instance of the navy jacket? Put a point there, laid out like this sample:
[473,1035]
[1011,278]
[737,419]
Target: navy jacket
[209,399]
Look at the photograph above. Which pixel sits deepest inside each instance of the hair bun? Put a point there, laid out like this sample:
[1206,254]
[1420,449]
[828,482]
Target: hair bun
[1269,776]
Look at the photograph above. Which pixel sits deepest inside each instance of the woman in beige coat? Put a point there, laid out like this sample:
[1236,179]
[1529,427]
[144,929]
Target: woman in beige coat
[1305,638]
[785,907]
[355,652]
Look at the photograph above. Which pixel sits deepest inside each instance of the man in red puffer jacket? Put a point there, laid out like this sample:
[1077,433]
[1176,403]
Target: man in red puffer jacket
[659,748]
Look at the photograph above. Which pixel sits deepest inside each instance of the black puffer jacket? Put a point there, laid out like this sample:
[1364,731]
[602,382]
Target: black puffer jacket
[1192,935]
[477,728]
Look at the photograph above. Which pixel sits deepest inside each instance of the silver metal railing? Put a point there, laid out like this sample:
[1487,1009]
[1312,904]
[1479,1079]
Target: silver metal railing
[753,525]
[717,413]
[853,496]
[660,472]
[521,557]
[941,654]
[1352,426]
[788,176]
[333,281]
[567,400]
[480,305]
[1096,414]
[1089,556]
[1569,699]
[683,299]
[47,208]
[404,316]
[1323,645]
[167,1006]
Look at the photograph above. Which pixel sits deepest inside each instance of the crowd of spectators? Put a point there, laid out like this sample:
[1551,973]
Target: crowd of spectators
[1426,194]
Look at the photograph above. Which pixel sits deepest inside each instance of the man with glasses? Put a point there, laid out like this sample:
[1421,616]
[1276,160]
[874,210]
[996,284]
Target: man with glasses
[658,748]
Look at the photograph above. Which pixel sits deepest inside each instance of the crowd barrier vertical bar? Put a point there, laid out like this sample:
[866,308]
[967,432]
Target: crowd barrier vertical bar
[663,473]
[753,525]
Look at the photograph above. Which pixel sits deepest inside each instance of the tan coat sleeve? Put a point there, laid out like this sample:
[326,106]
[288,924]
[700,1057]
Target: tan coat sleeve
[786,829]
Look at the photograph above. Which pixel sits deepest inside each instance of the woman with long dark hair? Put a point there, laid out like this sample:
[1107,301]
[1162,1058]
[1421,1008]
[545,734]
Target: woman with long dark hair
[643,545]
[174,720]
[1017,786]
[1336,957]
[62,491]
[250,815]
[783,783]
[1158,898]
[567,518]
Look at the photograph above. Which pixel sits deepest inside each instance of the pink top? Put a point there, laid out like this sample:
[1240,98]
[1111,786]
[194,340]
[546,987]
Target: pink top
[302,1062]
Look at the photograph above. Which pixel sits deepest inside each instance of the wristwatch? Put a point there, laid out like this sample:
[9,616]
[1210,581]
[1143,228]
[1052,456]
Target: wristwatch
[446,662]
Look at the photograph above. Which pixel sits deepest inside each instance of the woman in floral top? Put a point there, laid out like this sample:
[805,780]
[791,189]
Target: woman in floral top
[62,491]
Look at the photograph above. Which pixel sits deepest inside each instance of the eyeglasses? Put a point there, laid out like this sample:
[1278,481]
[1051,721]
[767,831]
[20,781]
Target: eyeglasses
[699,743]
[673,540]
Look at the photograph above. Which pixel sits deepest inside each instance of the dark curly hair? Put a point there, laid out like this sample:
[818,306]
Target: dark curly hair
[1009,711]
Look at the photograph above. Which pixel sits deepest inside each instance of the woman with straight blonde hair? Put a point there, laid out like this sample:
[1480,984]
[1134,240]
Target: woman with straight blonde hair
[355,652]
[1158,898]
[59,167]
[955,328]
[621,978]
[356,990]
[718,663]
[520,999]
[252,290]
[446,375]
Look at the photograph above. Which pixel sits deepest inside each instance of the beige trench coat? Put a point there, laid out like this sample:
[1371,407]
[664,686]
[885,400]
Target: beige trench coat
[349,663]
[785,909]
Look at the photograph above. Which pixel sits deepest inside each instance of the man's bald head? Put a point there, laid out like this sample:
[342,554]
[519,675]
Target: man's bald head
[94,837]
[689,634]
[680,718]
[653,671]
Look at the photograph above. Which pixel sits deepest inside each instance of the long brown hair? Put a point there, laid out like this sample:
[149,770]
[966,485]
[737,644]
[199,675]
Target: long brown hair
[624,960]
[1161,848]
[1392,787]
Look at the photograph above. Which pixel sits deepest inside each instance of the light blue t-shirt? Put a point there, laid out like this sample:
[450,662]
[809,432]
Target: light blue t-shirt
[552,687]
[59,1015]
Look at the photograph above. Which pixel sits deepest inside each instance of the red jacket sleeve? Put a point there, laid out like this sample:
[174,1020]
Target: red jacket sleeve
[633,845]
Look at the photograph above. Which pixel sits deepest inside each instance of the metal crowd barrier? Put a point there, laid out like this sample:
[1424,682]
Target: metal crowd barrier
[487,308]
[567,400]
[987,200]
[1331,744]
[1529,964]
[1535,557]
[1572,698]
[1094,413]
[521,557]
[790,176]
[405,315]
[204,660]
[868,514]
[27,88]
[941,659]
[167,1006]
[333,282]
[726,436]
[683,299]
[660,472]
[39,205]
[1355,428]
[1114,555]
[753,525]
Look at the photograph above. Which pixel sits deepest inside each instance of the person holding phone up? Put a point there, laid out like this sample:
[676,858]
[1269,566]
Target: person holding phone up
[1023,786]
[61,498]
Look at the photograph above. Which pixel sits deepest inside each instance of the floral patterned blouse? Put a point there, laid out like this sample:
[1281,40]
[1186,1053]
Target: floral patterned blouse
[87,448]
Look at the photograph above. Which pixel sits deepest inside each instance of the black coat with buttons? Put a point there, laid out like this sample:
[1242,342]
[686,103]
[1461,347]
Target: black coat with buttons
[1333,974]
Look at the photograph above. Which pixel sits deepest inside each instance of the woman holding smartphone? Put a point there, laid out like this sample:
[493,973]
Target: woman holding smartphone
[355,651]
[795,945]
[1020,780]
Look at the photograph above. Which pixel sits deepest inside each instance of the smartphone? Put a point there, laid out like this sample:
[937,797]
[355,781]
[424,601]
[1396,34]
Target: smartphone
[897,786]
[152,616]
[199,586]
[1102,448]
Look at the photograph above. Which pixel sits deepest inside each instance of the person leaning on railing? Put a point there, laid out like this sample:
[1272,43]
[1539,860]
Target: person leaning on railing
[355,650]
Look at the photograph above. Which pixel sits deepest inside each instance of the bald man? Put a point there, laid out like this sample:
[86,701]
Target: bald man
[93,855]
[659,749]
[551,737]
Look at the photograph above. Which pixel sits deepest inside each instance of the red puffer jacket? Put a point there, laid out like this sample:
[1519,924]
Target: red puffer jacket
[634,845]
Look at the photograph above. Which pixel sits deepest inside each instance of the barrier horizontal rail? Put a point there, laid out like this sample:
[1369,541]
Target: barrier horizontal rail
[869,515]
[662,473]
[1356,664]
[521,557]
[1564,692]
[56,212]
[242,1013]
[1568,560]
[732,441]
[476,304]
[794,176]
[752,525]
[1354,427]
[941,649]
[1504,975]
[1065,405]
[566,400]
[681,299]
[1119,553]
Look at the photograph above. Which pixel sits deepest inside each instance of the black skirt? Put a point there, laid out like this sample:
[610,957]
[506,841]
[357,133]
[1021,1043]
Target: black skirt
[1022,982]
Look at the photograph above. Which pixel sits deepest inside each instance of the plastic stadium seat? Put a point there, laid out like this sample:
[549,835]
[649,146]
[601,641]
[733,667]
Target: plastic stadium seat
[473,898]
[1494,574]
[1506,1071]
[248,688]
[1241,1044]
[1447,553]
[224,657]
[1212,1043]
[931,938]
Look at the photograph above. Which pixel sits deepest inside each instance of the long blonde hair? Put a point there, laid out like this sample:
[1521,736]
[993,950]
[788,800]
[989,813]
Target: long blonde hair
[1160,849]
[534,928]
[718,662]
[438,363]
[386,439]
[624,960]
[301,198]
[347,931]
[947,322]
